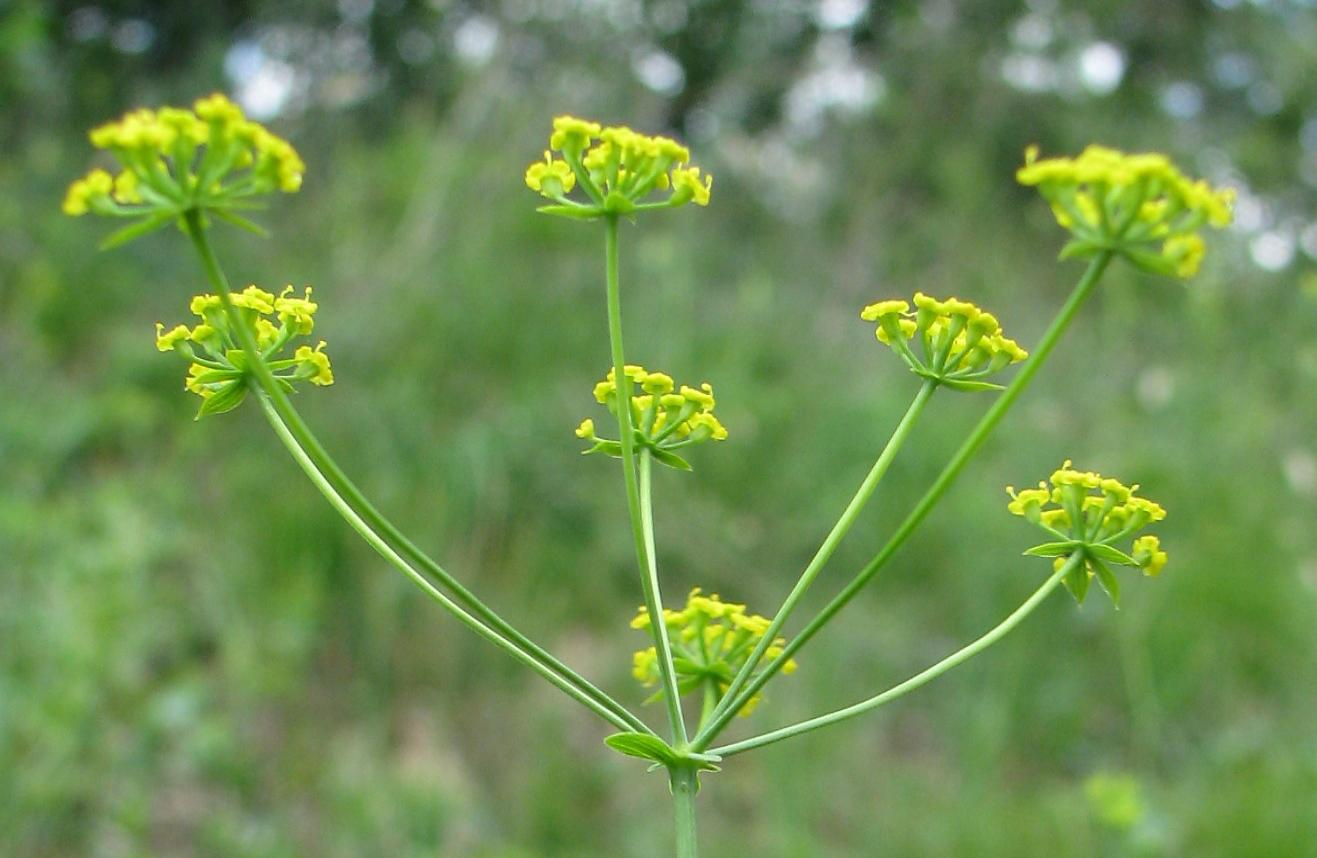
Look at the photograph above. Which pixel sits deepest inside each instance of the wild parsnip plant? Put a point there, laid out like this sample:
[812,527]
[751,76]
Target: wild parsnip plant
[199,168]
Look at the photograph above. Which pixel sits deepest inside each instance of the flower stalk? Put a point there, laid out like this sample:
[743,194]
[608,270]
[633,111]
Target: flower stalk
[977,436]
[381,547]
[642,525]
[727,708]
[922,678]
[277,400]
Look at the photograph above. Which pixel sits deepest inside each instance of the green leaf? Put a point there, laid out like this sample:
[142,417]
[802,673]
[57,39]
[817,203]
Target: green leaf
[133,231]
[573,212]
[1076,581]
[1054,549]
[618,203]
[689,684]
[1153,263]
[1109,554]
[924,372]
[1109,582]
[644,746]
[240,222]
[672,460]
[211,376]
[1078,249]
[962,384]
[239,205]
[612,448]
[225,399]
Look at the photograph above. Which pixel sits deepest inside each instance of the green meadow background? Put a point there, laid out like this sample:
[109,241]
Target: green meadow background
[198,658]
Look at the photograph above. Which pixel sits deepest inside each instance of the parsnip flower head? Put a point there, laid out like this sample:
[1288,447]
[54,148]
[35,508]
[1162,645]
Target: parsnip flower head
[210,159]
[1140,206]
[1087,513]
[959,344]
[665,418]
[218,370]
[711,641]
[617,170]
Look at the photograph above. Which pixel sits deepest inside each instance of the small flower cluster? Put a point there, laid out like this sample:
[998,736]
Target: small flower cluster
[663,417]
[711,642]
[210,158]
[1140,206]
[616,168]
[219,371]
[960,344]
[1087,513]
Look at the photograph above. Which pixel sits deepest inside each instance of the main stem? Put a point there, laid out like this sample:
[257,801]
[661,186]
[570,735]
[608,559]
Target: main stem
[684,787]
[640,532]
[346,489]
[724,713]
[958,657]
[971,445]
[389,554]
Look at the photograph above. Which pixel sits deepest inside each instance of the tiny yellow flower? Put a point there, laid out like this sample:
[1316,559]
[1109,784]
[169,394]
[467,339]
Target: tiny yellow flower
[687,186]
[166,341]
[876,311]
[1148,553]
[572,134]
[315,364]
[297,312]
[551,178]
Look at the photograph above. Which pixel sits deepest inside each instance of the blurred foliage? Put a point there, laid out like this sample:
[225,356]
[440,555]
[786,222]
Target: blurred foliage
[197,658]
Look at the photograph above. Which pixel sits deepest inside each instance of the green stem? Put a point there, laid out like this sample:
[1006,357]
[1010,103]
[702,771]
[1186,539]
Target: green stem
[710,702]
[638,509]
[958,461]
[960,656]
[387,552]
[724,712]
[326,465]
[684,787]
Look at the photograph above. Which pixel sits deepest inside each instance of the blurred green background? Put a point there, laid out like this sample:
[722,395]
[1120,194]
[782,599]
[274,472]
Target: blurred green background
[197,658]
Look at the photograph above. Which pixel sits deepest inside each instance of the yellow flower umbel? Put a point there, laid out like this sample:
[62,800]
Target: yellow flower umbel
[711,642]
[1087,513]
[210,159]
[959,344]
[1139,206]
[617,170]
[218,370]
[664,417]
